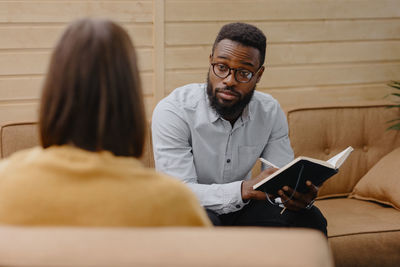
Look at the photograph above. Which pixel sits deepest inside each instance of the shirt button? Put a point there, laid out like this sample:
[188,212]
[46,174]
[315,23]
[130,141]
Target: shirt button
[238,206]
[228,160]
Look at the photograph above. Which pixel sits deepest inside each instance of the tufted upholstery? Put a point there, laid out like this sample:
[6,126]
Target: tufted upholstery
[362,127]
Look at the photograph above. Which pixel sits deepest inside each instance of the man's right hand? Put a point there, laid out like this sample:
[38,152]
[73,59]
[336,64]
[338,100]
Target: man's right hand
[247,186]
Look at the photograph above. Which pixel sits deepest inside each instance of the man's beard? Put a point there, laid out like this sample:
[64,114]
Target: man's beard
[228,111]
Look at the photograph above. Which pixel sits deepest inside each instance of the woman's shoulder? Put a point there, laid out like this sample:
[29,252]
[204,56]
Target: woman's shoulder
[171,189]
[181,203]
[20,158]
[170,184]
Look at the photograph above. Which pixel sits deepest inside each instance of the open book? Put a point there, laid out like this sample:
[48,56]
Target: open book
[297,172]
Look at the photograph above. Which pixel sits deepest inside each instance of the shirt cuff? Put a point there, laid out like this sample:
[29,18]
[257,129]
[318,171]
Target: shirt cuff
[233,197]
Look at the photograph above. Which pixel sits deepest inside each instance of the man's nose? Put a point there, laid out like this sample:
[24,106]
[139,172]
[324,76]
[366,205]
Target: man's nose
[230,79]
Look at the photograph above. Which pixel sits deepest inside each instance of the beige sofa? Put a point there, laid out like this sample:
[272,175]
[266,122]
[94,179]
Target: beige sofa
[361,232]
[169,246]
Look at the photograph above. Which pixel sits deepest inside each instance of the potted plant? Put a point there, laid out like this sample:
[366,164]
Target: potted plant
[395,85]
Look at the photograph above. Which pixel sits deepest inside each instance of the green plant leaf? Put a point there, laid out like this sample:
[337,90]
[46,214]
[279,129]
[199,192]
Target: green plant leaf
[393,106]
[394,82]
[394,85]
[398,119]
[394,127]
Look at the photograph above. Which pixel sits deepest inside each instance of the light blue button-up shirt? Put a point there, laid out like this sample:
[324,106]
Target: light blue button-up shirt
[196,145]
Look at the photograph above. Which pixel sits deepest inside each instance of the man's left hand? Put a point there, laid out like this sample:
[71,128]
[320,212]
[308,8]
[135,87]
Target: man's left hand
[299,200]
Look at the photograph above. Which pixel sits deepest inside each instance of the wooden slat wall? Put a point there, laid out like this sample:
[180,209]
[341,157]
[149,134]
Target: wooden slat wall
[29,30]
[318,50]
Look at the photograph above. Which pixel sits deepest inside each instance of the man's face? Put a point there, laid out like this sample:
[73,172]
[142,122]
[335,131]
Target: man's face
[228,96]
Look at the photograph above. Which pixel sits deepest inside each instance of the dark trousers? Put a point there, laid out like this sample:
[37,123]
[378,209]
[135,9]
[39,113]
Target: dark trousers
[262,213]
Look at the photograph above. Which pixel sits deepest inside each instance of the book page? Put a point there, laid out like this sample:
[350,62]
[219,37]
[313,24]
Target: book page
[338,159]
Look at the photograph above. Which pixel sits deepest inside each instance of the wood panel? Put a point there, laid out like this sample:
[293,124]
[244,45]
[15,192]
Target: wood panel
[29,87]
[29,31]
[159,47]
[27,111]
[240,10]
[32,62]
[24,111]
[300,76]
[147,83]
[204,33]
[22,63]
[66,11]
[300,97]
[46,36]
[15,88]
[329,75]
[318,50]
[292,54]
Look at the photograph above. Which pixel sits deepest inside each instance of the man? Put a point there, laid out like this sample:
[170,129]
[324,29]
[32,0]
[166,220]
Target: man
[210,136]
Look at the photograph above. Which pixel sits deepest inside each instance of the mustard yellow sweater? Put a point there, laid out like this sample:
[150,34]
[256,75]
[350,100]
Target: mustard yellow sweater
[64,185]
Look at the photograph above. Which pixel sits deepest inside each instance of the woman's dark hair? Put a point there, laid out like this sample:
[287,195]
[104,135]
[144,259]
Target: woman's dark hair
[245,34]
[92,95]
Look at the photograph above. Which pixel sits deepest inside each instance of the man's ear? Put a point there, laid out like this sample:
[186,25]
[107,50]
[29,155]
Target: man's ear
[260,73]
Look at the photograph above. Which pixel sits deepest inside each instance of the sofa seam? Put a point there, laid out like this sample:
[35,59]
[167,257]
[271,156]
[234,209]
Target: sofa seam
[364,233]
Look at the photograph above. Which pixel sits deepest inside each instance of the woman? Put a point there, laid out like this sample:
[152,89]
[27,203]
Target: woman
[92,129]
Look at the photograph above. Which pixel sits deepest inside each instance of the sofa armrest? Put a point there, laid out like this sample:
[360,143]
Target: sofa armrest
[17,136]
[22,135]
[56,246]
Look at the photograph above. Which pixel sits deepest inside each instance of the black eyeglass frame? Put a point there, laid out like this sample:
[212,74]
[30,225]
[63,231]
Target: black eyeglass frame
[235,72]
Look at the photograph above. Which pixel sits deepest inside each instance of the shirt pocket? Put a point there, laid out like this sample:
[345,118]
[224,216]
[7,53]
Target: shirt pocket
[248,156]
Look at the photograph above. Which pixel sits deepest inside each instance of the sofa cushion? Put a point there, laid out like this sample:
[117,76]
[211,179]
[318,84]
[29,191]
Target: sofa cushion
[359,230]
[46,246]
[382,182]
[366,250]
[322,132]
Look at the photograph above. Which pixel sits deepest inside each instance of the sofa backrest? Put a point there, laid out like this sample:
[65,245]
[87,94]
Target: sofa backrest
[321,132]
[22,135]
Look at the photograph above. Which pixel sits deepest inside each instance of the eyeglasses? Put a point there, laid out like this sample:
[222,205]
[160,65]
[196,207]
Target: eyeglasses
[241,75]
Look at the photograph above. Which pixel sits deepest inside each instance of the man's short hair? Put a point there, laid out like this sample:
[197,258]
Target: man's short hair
[245,34]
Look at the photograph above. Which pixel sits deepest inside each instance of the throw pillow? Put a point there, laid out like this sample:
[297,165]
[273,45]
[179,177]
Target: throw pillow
[382,182]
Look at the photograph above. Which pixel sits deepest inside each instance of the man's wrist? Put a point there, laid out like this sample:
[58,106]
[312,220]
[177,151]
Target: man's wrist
[242,192]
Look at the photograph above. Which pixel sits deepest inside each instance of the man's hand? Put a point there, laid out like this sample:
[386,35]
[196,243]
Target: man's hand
[247,186]
[299,200]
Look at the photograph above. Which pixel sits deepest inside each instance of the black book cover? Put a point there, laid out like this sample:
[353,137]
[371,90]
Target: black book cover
[302,170]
